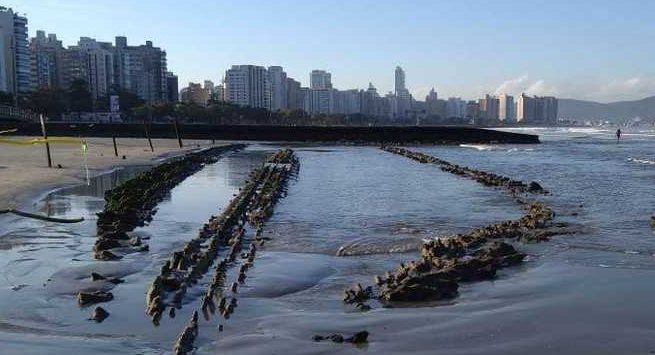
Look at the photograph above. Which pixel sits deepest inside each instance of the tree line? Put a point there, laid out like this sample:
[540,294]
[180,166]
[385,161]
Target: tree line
[54,102]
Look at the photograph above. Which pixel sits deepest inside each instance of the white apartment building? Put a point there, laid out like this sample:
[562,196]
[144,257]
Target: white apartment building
[320,79]
[15,64]
[248,85]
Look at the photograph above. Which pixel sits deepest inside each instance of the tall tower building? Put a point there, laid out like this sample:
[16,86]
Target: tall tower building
[278,81]
[402,102]
[15,68]
[400,81]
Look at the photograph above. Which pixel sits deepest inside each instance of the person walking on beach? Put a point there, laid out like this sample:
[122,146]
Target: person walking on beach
[618,135]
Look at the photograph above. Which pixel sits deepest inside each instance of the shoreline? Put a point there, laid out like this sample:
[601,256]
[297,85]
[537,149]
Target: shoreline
[25,180]
[280,133]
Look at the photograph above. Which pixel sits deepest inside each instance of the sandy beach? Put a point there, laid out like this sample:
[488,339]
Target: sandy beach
[24,171]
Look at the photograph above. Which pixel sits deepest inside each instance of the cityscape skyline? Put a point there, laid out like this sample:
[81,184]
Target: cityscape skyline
[30,65]
[457,59]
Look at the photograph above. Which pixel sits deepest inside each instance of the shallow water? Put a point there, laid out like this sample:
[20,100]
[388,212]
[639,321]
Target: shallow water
[585,293]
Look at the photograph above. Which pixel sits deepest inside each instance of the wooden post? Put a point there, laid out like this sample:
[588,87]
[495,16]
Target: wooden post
[113,138]
[145,124]
[113,134]
[177,132]
[45,137]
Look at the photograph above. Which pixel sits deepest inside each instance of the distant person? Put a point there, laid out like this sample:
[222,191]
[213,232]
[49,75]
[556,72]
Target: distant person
[618,135]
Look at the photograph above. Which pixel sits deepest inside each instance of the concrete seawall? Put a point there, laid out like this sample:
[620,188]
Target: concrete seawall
[433,134]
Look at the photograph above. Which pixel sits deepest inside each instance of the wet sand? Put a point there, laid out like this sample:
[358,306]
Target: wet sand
[24,172]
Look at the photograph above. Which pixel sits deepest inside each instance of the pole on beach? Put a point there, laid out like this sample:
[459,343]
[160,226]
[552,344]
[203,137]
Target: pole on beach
[113,135]
[145,124]
[177,132]
[45,138]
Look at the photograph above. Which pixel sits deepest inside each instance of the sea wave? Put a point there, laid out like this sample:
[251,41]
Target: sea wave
[480,147]
[487,147]
[641,161]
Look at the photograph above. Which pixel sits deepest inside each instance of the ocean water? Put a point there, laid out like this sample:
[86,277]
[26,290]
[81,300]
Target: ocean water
[351,213]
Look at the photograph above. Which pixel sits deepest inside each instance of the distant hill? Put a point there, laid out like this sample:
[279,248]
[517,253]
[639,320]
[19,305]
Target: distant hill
[580,110]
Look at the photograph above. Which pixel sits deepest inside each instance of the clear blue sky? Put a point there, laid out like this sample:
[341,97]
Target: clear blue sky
[591,49]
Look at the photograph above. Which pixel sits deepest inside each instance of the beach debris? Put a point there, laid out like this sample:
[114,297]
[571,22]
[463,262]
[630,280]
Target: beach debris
[133,203]
[85,298]
[98,277]
[483,177]
[99,314]
[185,341]
[18,287]
[222,243]
[473,256]
[40,217]
[358,338]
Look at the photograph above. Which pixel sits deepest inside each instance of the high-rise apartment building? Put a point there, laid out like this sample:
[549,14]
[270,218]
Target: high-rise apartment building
[194,93]
[536,110]
[402,103]
[47,55]
[295,100]
[320,101]
[15,65]
[219,93]
[399,82]
[247,85]
[92,62]
[141,70]
[506,108]
[371,102]
[488,107]
[432,103]
[472,111]
[278,81]
[172,88]
[320,79]
[455,108]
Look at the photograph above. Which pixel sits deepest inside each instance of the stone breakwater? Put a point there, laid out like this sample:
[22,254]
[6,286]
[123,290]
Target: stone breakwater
[483,177]
[233,237]
[472,256]
[133,203]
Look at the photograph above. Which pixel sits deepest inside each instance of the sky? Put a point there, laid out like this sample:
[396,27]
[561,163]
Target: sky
[602,50]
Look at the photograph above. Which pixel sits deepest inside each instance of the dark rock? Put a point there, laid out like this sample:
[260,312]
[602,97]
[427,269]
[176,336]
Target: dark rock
[535,187]
[99,314]
[337,338]
[359,338]
[96,276]
[106,255]
[85,298]
[421,290]
[116,281]
[105,244]
[363,307]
